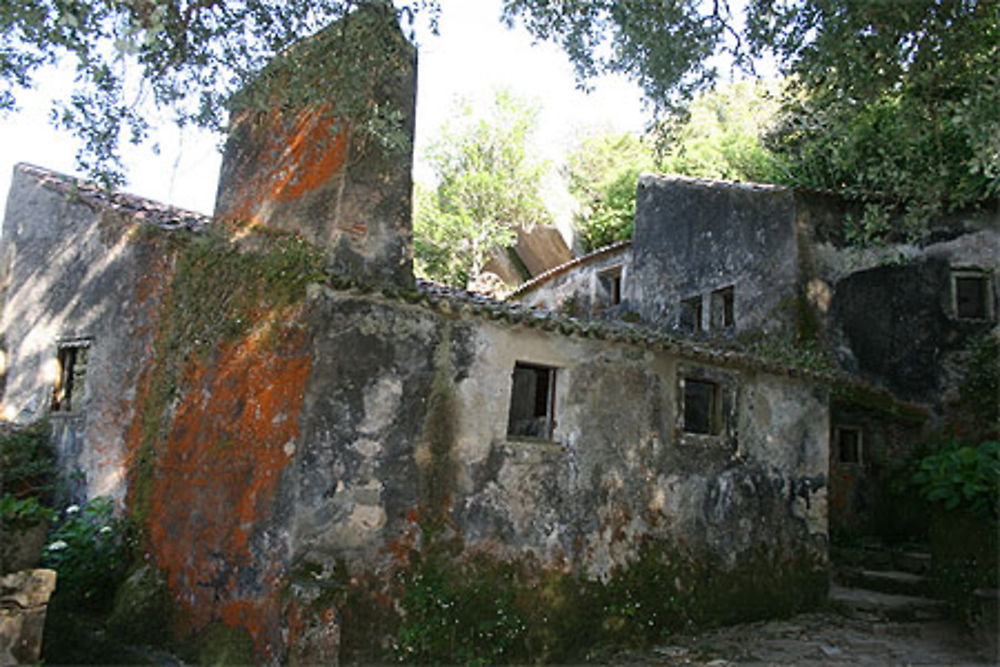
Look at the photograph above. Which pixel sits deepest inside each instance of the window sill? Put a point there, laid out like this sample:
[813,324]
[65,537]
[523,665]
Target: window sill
[702,440]
[532,450]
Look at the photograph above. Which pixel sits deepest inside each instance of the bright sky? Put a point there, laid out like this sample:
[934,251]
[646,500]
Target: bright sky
[473,55]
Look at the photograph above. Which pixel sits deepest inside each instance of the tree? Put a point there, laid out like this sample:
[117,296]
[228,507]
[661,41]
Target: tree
[197,59]
[720,135]
[487,185]
[603,175]
[892,102]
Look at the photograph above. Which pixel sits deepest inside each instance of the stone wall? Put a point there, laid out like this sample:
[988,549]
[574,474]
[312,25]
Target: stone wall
[82,276]
[398,431]
[330,179]
[694,238]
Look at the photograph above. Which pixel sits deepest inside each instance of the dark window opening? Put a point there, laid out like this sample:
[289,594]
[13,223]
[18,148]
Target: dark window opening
[68,391]
[721,314]
[971,296]
[691,314]
[532,402]
[702,407]
[611,284]
[848,445]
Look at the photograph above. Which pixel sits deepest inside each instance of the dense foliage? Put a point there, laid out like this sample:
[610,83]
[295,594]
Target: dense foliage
[89,550]
[27,475]
[603,171]
[718,135]
[487,185]
[893,103]
[962,476]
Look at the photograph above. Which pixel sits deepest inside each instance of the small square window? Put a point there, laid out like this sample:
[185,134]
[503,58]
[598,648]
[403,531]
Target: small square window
[702,407]
[972,295]
[848,441]
[721,309]
[611,285]
[68,391]
[690,317]
[532,402]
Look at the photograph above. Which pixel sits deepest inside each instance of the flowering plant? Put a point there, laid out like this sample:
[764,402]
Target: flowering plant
[88,548]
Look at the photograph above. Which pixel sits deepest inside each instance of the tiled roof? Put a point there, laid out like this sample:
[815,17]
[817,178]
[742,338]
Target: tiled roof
[716,183]
[450,300]
[546,276]
[139,208]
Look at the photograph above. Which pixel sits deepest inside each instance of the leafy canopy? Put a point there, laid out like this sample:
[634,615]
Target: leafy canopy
[718,135]
[487,185]
[193,58]
[893,102]
[603,173]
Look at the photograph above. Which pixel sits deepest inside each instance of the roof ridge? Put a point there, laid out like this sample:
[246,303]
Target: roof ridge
[565,266]
[142,208]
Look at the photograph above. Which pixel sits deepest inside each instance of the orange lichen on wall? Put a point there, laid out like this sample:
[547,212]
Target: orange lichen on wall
[289,162]
[216,477]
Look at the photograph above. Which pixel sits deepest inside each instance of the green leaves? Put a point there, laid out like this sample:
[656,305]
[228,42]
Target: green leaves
[195,60]
[962,476]
[487,186]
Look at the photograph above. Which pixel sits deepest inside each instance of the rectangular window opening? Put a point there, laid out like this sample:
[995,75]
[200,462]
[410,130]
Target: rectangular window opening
[721,314]
[848,445]
[690,319]
[971,291]
[532,402]
[702,407]
[72,369]
[611,285]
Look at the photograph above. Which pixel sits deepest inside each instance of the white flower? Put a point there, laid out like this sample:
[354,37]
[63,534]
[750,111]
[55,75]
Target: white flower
[72,509]
[105,529]
[57,545]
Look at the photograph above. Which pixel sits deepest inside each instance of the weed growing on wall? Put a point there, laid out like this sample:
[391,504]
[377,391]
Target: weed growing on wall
[227,284]
[479,609]
[981,387]
[27,476]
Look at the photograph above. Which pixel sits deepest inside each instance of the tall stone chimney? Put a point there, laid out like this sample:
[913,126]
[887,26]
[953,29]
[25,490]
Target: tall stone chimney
[300,169]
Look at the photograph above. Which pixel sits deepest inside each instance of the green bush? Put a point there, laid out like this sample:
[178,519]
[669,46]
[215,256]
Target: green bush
[89,550]
[962,476]
[27,476]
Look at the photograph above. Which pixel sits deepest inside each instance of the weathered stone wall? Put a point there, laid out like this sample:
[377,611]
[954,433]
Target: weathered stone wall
[328,179]
[75,272]
[404,425]
[370,421]
[694,236]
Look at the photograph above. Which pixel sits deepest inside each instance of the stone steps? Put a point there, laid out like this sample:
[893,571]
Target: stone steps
[873,581]
[871,557]
[894,582]
[864,603]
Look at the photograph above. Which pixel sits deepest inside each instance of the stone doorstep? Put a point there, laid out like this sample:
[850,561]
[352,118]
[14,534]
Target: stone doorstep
[889,606]
[885,581]
[915,562]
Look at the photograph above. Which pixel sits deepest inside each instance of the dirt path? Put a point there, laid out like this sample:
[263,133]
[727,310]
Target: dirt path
[819,639]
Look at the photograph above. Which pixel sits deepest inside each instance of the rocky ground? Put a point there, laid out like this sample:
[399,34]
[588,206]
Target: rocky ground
[827,638]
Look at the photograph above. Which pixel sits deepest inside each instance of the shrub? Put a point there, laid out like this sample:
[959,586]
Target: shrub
[962,477]
[89,550]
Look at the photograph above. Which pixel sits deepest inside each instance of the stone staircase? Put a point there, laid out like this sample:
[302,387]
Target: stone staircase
[874,582]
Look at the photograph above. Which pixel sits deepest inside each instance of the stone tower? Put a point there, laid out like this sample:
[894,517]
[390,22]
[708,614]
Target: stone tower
[299,168]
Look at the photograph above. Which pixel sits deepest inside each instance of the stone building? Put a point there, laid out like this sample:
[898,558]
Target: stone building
[752,266]
[287,415]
